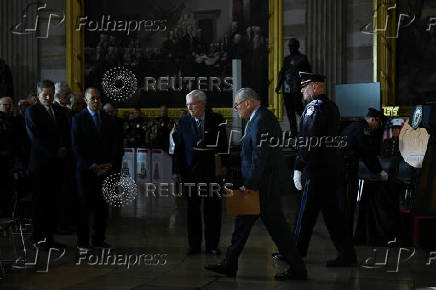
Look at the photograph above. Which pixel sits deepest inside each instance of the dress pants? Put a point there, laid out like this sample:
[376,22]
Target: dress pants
[348,190]
[46,186]
[320,194]
[211,218]
[91,201]
[279,230]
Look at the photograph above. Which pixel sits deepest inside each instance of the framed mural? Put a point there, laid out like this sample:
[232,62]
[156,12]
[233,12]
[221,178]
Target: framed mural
[404,52]
[416,52]
[180,45]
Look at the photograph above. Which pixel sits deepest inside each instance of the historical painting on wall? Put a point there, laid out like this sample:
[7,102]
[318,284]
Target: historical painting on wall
[162,49]
[416,52]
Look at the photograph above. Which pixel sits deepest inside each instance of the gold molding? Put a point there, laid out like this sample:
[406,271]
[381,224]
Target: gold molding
[172,112]
[75,50]
[385,52]
[275,57]
[75,45]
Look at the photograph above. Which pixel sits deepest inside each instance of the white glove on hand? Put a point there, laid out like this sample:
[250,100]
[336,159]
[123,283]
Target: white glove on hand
[383,175]
[297,180]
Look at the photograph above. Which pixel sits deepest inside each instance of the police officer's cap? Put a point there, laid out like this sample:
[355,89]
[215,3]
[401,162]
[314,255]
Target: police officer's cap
[307,78]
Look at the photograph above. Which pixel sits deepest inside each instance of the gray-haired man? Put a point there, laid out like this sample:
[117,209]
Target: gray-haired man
[263,168]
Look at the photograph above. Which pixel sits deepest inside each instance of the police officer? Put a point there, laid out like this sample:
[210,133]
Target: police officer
[316,163]
[360,144]
[136,130]
[163,130]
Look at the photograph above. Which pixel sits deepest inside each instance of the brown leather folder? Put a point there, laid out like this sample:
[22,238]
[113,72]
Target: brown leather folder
[242,204]
[218,165]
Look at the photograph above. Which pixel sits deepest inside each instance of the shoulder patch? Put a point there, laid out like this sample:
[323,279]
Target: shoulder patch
[310,110]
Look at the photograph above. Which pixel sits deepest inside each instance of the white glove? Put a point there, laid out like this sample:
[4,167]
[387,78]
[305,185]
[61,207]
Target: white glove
[383,175]
[297,179]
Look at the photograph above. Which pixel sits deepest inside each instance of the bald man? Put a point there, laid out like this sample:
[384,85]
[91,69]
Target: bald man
[95,147]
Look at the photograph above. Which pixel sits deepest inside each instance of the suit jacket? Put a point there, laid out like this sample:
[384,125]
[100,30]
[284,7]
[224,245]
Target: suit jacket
[193,159]
[91,145]
[46,136]
[263,165]
[67,111]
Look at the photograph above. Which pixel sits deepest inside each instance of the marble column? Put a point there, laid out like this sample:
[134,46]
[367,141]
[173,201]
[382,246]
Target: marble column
[326,40]
[19,48]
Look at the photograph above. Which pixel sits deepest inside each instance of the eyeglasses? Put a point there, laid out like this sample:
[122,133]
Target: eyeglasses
[236,106]
[191,104]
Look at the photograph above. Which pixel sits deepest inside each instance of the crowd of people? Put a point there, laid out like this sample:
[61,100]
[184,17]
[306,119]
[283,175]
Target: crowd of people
[37,139]
[78,142]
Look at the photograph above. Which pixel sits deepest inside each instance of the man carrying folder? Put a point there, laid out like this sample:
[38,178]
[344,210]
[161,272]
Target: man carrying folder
[263,168]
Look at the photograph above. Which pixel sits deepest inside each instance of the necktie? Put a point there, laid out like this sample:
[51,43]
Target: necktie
[50,112]
[200,129]
[97,121]
[246,126]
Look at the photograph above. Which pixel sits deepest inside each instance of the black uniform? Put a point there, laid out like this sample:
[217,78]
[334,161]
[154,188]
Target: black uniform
[163,133]
[318,164]
[136,133]
[360,145]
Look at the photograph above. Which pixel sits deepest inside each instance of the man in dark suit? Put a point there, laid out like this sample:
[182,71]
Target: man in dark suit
[65,202]
[199,137]
[263,169]
[46,127]
[95,146]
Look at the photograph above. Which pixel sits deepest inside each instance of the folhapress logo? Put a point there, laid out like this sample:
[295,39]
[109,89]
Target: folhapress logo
[37,19]
[106,23]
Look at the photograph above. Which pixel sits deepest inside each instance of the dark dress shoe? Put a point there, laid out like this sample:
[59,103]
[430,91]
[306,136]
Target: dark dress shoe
[101,245]
[278,256]
[214,252]
[342,261]
[291,275]
[192,252]
[221,269]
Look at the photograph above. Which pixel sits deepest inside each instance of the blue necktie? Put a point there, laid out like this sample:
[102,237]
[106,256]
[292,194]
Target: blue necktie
[97,121]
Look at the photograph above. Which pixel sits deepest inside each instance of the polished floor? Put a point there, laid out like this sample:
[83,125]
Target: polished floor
[155,228]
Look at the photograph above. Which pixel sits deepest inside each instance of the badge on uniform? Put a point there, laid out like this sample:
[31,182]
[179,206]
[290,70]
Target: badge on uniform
[310,110]
[417,117]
